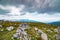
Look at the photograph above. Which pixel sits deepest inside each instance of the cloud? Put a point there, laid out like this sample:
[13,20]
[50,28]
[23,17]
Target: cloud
[33,16]
[43,17]
[12,10]
[39,10]
[2,12]
[40,6]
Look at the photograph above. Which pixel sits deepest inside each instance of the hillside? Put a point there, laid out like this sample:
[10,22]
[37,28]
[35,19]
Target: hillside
[28,31]
[55,23]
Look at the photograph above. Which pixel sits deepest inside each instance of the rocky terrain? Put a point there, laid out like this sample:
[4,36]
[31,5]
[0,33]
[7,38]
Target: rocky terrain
[28,31]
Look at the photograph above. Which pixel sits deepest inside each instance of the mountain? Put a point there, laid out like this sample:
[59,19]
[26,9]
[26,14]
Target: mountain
[55,23]
[26,20]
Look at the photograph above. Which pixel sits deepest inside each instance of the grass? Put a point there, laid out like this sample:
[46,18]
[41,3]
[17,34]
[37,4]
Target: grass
[7,35]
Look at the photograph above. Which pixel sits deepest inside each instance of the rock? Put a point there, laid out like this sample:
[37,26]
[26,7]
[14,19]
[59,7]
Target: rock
[16,35]
[44,36]
[49,31]
[2,29]
[44,28]
[39,31]
[23,26]
[0,26]
[56,36]
[36,28]
[57,30]
[15,24]
[12,38]
[10,28]
[20,33]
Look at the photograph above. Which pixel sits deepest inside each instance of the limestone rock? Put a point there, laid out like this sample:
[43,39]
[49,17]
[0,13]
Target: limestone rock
[56,36]
[0,26]
[2,29]
[44,36]
[36,28]
[16,35]
[10,28]
[49,31]
[20,33]
[57,30]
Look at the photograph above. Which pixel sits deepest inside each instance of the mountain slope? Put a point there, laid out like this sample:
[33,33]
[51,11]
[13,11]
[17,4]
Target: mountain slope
[55,23]
[28,30]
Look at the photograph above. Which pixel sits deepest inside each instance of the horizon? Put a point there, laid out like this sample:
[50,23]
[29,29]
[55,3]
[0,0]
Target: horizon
[27,20]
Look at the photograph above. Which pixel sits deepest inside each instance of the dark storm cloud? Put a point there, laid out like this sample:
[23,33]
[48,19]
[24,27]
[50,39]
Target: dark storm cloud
[3,11]
[12,2]
[40,6]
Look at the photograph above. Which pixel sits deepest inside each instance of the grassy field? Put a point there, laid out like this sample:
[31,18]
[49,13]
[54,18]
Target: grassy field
[7,35]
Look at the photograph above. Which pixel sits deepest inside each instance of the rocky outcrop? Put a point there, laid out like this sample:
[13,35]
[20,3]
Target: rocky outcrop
[0,26]
[10,28]
[20,33]
[57,30]
[56,36]
[43,35]
[2,30]
[49,31]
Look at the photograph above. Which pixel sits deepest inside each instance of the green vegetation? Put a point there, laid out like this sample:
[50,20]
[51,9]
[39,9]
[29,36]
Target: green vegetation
[7,35]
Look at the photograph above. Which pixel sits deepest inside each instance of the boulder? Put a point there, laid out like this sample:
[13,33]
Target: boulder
[16,35]
[49,31]
[36,28]
[2,29]
[57,30]
[39,31]
[20,33]
[10,28]
[44,36]
[44,28]
[56,36]
[0,26]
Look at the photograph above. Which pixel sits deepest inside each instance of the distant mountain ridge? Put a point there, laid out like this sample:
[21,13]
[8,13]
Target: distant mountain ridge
[22,20]
[55,23]
[27,20]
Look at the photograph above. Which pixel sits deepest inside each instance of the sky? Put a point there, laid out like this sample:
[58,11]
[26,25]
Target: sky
[38,10]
